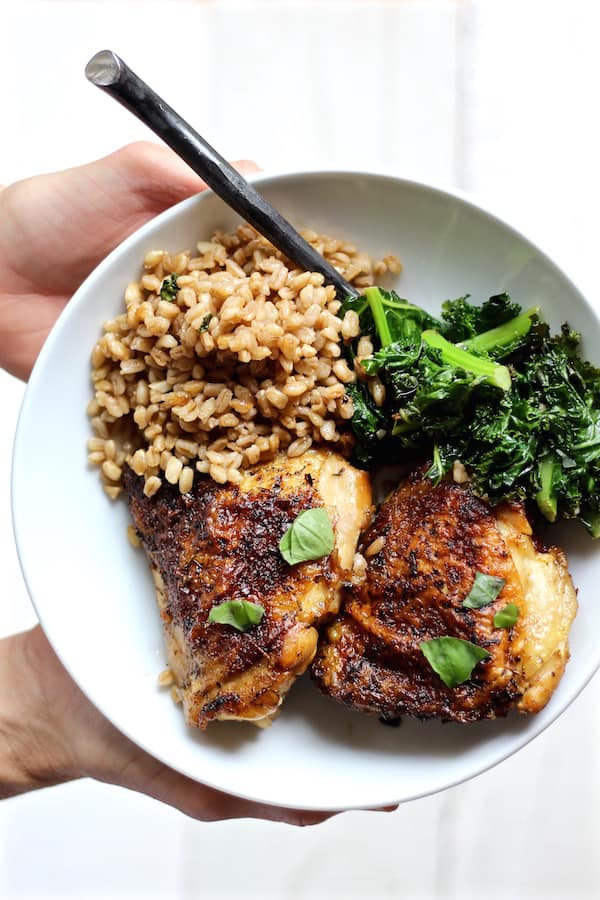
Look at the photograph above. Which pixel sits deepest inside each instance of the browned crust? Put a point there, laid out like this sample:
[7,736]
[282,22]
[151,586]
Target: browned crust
[220,543]
[436,539]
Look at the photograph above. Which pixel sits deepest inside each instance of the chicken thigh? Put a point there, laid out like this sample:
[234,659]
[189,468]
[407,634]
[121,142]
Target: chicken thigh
[427,544]
[221,542]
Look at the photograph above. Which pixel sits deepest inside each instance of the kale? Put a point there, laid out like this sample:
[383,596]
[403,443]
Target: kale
[504,340]
[168,289]
[367,421]
[463,320]
[490,386]
[205,323]
[543,443]
[387,315]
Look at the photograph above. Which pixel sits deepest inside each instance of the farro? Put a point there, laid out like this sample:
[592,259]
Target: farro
[245,361]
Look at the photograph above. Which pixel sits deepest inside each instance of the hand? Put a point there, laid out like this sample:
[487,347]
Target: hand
[50,733]
[54,229]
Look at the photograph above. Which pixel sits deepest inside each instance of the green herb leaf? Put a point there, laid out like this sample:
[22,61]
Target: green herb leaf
[168,289]
[310,536]
[240,614]
[205,322]
[485,590]
[507,617]
[452,658]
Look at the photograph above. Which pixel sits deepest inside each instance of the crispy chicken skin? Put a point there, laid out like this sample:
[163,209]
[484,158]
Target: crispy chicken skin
[436,539]
[221,542]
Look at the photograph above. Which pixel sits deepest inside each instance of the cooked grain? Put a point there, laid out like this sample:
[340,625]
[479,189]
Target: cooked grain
[132,536]
[377,391]
[165,678]
[245,361]
[375,547]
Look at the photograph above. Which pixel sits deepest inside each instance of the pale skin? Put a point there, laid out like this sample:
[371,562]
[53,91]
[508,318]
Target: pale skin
[54,229]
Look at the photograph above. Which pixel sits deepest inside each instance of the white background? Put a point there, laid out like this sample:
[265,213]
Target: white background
[499,97]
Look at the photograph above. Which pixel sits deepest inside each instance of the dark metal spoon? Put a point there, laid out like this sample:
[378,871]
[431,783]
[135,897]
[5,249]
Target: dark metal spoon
[111,74]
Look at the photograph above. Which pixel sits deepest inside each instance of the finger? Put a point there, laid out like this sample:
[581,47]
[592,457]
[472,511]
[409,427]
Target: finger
[160,176]
[227,807]
[134,769]
[89,209]
[209,805]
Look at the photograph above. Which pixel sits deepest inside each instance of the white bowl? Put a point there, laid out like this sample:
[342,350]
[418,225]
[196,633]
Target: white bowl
[93,592]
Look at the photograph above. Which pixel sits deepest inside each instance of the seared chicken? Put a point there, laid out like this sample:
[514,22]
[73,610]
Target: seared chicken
[433,541]
[221,542]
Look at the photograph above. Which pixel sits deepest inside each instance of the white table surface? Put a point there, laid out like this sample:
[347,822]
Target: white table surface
[496,96]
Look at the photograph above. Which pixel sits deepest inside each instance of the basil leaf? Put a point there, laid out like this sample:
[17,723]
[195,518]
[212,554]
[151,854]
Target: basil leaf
[205,323]
[485,590]
[506,617]
[241,614]
[310,536]
[452,658]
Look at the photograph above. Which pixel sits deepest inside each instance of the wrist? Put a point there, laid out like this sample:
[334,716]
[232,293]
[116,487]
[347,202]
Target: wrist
[32,755]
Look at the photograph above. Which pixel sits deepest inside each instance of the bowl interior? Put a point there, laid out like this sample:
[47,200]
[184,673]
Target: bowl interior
[94,594]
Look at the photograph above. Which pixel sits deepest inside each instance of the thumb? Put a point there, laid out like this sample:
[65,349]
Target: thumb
[89,209]
[157,175]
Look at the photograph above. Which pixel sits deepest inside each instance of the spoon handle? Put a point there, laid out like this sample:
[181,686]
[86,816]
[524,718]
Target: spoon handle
[111,74]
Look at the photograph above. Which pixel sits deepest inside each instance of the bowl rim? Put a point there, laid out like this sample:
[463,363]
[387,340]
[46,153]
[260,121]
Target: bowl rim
[272,177]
